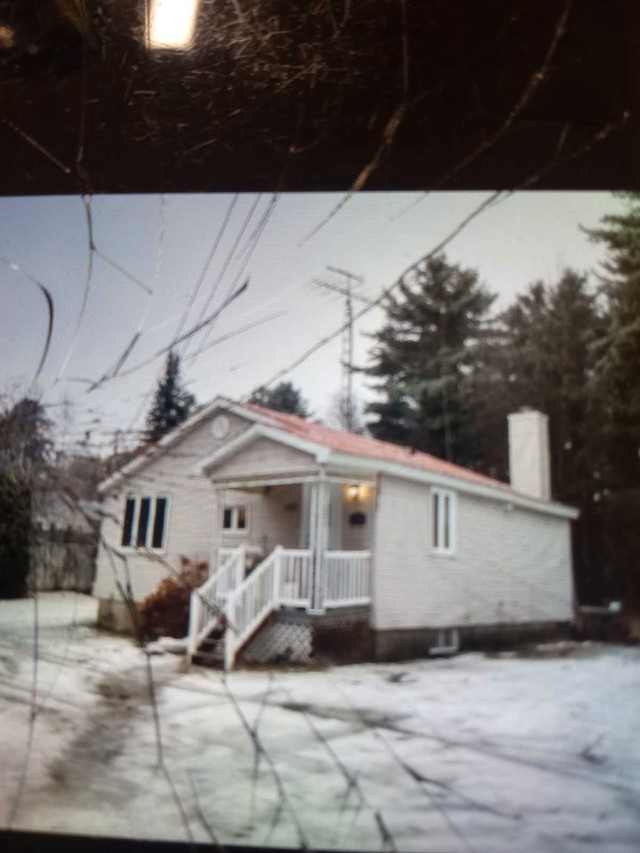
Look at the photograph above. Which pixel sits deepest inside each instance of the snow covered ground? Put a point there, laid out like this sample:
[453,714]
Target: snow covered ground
[468,754]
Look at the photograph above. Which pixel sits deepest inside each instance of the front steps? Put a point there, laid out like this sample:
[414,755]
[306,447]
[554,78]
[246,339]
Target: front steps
[211,650]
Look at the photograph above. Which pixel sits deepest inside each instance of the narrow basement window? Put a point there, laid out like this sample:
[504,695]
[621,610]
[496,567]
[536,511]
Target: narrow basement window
[443,520]
[447,643]
[144,523]
[234,518]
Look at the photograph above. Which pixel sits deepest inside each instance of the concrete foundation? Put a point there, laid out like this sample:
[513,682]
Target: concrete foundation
[417,642]
[344,636]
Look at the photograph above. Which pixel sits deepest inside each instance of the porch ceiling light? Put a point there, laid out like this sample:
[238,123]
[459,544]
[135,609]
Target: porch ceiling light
[353,492]
[172,24]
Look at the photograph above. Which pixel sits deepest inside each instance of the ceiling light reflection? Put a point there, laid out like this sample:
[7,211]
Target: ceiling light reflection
[172,24]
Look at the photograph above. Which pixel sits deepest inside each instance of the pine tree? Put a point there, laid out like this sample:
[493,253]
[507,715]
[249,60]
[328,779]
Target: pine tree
[172,403]
[616,387]
[424,356]
[544,358]
[284,397]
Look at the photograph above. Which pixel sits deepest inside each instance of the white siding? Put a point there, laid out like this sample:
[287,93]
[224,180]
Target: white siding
[509,566]
[264,457]
[192,515]
[356,538]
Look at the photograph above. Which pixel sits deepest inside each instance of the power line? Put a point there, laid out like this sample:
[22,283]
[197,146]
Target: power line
[225,265]
[248,251]
[207,263]
[261,321]
[192,296]
[185,336]
[383,295]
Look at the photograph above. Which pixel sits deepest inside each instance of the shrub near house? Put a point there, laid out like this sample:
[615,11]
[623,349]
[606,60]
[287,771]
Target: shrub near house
[165,613]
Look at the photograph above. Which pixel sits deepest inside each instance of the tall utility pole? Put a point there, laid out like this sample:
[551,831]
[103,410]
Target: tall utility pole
[347,290]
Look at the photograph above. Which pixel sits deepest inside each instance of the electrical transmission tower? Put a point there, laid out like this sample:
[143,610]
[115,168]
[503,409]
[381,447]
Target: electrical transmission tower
[347,290]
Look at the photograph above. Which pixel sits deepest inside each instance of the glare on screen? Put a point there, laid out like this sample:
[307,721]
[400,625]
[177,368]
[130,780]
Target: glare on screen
[172,23]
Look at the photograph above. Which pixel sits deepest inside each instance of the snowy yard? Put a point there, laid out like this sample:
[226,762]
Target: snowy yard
[468,754]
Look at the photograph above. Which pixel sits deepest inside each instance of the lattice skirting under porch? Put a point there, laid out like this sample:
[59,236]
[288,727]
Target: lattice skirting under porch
[291,636]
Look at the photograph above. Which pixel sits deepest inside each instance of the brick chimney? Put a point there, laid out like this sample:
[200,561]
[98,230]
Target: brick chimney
[529,463]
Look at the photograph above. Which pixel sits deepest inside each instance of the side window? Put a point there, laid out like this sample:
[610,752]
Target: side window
[145,522]
[443,521]
[159,523]
[235,518]
[127,524]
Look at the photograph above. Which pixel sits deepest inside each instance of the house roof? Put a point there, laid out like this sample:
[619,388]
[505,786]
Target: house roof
[371,448]
[346,448]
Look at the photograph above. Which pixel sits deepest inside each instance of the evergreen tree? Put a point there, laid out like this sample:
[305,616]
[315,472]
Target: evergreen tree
[544,358]
[424,357]
[26,446]
[172,403]
[284,397]
[26,452]
[616,387]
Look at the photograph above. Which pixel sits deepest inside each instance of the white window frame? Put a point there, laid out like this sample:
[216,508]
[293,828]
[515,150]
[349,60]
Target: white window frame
[152,516]
[440,495]
[234,529]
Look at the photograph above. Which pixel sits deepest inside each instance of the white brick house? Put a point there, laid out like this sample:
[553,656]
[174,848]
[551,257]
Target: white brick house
[422,552]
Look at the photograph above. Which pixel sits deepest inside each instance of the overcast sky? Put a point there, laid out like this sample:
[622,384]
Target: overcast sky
[529,236]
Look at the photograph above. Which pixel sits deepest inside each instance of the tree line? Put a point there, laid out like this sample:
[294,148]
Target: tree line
[448,370]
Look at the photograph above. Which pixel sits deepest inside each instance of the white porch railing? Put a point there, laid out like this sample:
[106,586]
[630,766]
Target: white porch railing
[346,578]
[296,577]
[208,601]
[284,577]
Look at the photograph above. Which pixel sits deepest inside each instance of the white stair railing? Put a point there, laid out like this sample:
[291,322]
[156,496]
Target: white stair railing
[208,601]
[223,556]
[346,578]
[250,604]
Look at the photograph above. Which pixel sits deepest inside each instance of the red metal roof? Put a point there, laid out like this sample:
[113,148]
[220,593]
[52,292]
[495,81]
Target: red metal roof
[372,448]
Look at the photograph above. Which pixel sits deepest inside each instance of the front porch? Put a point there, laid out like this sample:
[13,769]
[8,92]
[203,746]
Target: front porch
[255,579]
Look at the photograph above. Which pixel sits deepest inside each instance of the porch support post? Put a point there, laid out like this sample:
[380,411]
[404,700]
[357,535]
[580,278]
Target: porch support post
[319,518]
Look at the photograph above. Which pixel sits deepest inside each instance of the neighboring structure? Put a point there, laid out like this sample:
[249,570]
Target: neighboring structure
[354,538]
[63,543]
